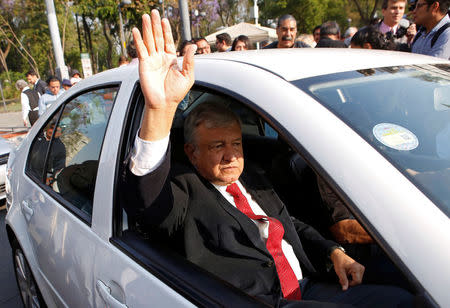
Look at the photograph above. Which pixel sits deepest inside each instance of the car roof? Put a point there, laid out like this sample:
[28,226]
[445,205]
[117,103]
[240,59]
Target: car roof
[290,64]
[298,63]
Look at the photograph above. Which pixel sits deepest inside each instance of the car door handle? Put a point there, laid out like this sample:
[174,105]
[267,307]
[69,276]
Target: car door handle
[105,293]
[27,210]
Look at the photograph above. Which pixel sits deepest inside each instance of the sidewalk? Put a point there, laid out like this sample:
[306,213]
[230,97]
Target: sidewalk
[11,126]
[11,119]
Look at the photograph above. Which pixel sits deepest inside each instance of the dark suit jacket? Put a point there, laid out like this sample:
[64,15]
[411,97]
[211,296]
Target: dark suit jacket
[326,42]
[40,86]
[213,233]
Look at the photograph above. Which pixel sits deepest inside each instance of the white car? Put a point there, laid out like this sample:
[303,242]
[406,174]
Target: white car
[374,125]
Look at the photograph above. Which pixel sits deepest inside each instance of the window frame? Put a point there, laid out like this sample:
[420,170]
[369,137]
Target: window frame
[78,213]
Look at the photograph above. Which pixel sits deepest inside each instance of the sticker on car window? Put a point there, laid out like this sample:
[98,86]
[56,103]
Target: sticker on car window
[395,137]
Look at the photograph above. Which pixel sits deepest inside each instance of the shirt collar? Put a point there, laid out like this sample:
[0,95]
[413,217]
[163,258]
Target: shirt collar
[385,28]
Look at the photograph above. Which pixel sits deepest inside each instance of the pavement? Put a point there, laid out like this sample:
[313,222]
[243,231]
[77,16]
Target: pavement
[11,127]
[9,293]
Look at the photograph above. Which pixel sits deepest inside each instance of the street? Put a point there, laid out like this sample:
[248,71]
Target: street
[9,294]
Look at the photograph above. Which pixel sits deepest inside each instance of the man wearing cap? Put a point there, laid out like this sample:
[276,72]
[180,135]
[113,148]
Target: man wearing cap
[66,84]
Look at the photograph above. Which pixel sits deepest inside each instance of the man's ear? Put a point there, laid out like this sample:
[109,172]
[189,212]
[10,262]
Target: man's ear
[367,46]
[189,150]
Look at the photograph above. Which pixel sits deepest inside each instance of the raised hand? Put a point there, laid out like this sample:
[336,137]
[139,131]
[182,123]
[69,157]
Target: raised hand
[163,84]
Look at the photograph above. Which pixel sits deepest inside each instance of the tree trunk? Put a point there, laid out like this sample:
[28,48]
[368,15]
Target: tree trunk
[106,31]
[87,37]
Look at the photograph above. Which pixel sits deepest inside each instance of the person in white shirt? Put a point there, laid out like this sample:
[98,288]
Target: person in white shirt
[29,99]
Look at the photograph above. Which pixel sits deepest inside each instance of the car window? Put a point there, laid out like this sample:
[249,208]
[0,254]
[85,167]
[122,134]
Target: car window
[70,148]
[39,149]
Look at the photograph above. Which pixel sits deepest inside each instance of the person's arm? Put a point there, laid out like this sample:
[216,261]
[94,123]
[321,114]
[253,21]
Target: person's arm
[441,48]
[42,106]
[25,107]
[163,84]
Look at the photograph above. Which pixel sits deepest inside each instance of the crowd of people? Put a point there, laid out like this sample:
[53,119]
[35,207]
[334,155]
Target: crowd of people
[427,33]
[37,98]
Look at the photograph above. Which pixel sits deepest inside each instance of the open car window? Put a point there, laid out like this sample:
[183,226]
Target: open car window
[293,178]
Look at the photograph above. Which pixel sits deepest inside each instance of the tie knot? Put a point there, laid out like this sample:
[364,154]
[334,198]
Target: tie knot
[233,190]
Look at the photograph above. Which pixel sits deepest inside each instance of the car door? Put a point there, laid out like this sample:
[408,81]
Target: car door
[57,198]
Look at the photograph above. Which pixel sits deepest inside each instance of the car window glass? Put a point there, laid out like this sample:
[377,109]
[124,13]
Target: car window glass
[39,149]
[72,162]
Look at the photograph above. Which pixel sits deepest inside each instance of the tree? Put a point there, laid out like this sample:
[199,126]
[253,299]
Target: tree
[366,9]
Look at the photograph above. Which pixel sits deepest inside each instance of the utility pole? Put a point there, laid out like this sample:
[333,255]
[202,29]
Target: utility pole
[185,22]
[61,68]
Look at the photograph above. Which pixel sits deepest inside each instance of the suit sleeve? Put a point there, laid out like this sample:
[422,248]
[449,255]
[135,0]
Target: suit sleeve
[154,201]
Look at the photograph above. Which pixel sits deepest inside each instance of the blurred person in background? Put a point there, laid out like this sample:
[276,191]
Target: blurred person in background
[433,36]
[53,92]
[330,36]
[393,25]
[223,42]
[183,47]
[38,85]
[202,45]
[349,34]
[241,43]
[286,32]
[316,33]
[371,38]
[66,84]
[29,99]
[122,62]
[132,53]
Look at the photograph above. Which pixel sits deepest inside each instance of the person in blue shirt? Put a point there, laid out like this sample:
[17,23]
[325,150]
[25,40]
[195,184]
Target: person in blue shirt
[433,38]
[53,92]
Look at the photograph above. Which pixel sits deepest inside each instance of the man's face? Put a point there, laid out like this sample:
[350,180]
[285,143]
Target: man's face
[394,12]
[31,78]
[54,87]
[316,35]
[221,46]
[203,47]
[422,13]
[287,32]
[217,154]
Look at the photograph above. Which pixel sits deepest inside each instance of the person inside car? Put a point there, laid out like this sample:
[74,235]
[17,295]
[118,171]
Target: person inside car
[226,218]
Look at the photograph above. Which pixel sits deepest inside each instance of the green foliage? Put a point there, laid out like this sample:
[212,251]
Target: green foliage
[8,85]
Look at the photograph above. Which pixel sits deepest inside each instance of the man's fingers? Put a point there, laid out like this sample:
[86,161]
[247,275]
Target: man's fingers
[147,34]
[140,47]
[343,280]
[169,45]
[188,62]
[157,31]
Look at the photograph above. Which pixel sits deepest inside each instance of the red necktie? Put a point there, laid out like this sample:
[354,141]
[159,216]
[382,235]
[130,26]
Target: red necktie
[288,280]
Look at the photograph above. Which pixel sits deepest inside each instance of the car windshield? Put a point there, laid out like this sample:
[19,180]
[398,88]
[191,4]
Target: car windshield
[403,112]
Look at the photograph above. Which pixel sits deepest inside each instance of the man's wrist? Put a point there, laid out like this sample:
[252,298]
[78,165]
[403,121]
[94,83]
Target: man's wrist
[333,248]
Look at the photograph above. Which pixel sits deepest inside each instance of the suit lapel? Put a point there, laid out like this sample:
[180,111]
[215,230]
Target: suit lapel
[248,226]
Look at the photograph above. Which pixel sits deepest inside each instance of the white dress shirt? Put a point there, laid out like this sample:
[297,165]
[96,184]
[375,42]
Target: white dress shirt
[148,156]
[24,101]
